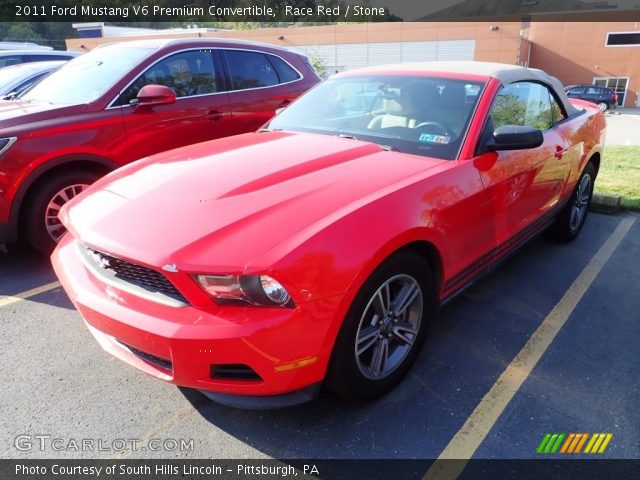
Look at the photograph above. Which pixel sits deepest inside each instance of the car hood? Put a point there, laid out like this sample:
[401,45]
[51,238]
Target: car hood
[16,112]
[220,204]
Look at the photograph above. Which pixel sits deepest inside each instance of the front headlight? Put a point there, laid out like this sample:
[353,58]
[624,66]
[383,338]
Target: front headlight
[245,290]
[5,143]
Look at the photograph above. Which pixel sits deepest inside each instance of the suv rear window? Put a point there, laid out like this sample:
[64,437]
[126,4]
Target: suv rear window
[250,70]
[255,70]
[285,72]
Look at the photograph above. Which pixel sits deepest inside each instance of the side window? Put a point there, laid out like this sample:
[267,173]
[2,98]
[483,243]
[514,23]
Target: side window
[46,58]
[10,60]
[187,73]
[523,103]
[284,70]
[250,70]
[576,91]
[593,91]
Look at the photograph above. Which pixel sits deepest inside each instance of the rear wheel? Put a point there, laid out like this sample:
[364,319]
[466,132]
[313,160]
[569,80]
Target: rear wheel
[384,329]
[42,228]
[573,215]
[603,106]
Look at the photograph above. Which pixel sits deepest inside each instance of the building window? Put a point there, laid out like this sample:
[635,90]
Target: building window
[624,39]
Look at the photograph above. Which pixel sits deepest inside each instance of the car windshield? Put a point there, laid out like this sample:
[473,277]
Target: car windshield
[420,115]
[87,77]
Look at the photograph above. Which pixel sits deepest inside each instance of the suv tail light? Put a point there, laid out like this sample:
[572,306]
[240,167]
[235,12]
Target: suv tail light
[615,97]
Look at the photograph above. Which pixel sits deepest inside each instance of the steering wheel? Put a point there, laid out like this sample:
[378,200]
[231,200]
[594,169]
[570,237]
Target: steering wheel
[441,127]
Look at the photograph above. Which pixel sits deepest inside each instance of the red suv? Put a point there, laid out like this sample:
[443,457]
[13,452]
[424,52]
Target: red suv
[125,101]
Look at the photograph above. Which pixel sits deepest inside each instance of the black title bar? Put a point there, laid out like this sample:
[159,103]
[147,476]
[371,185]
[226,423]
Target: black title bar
[294,11]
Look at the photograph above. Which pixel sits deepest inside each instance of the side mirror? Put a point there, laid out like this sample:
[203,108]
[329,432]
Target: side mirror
[514,137]
[156,95]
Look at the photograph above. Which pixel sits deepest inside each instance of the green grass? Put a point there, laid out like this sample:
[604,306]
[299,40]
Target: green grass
[619,175]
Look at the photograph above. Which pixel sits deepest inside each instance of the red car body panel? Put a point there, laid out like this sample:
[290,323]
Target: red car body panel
[316,213]
[103,137]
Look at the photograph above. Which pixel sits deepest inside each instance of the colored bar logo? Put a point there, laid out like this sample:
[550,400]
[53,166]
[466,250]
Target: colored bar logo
[574,442]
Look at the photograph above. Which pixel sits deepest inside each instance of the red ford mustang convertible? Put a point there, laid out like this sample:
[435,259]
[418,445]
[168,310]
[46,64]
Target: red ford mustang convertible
[318,249]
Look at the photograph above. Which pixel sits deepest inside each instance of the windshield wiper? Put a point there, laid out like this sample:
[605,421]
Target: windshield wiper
[388,148]
[349,136]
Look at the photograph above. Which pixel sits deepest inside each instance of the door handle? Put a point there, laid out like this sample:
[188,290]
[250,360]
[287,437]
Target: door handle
[559,152]
[214,115]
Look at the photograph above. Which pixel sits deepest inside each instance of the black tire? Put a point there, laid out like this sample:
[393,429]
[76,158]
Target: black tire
[35,208]
[567,227]
[345,375]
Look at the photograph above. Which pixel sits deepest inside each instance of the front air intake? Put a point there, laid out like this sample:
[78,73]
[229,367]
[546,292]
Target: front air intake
[149,358]
[234,371]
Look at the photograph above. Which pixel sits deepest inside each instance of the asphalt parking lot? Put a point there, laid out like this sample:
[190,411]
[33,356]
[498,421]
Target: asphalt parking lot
[58,383]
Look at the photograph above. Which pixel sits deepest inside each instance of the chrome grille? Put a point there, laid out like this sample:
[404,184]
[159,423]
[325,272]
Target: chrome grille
[141,277]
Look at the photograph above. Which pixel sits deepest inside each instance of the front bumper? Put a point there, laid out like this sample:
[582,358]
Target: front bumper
[288,348]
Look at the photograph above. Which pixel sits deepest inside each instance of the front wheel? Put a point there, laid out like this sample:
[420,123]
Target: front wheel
[573,215]
[42,227]
[384,329]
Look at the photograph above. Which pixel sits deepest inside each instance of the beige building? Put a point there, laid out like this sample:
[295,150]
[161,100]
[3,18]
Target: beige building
[605,53]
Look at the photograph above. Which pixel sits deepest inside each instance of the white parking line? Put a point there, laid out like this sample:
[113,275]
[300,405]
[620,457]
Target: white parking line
[467,440]
[4,301]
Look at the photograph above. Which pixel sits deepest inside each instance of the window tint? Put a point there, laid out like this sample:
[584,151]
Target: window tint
[285,72]
[523,103]
[250,70]
[10,60]
[187,73]
[46,58]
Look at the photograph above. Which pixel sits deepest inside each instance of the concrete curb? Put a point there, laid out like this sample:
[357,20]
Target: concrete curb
[605,203]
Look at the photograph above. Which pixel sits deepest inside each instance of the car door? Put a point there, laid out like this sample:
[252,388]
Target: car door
[197,115]
[259,83]
[526,185]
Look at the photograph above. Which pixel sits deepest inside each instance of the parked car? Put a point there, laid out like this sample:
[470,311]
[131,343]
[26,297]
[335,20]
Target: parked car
[318,249]
[604,97]
[125,101]
[22,46]
[17,79]
[17,57]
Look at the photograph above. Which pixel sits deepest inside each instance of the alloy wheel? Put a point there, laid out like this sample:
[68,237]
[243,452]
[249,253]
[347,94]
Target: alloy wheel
[389,327]
[580,202]
[54,226]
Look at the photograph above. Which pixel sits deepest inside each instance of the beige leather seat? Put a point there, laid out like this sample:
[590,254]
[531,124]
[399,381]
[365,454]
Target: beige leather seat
[407,109]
